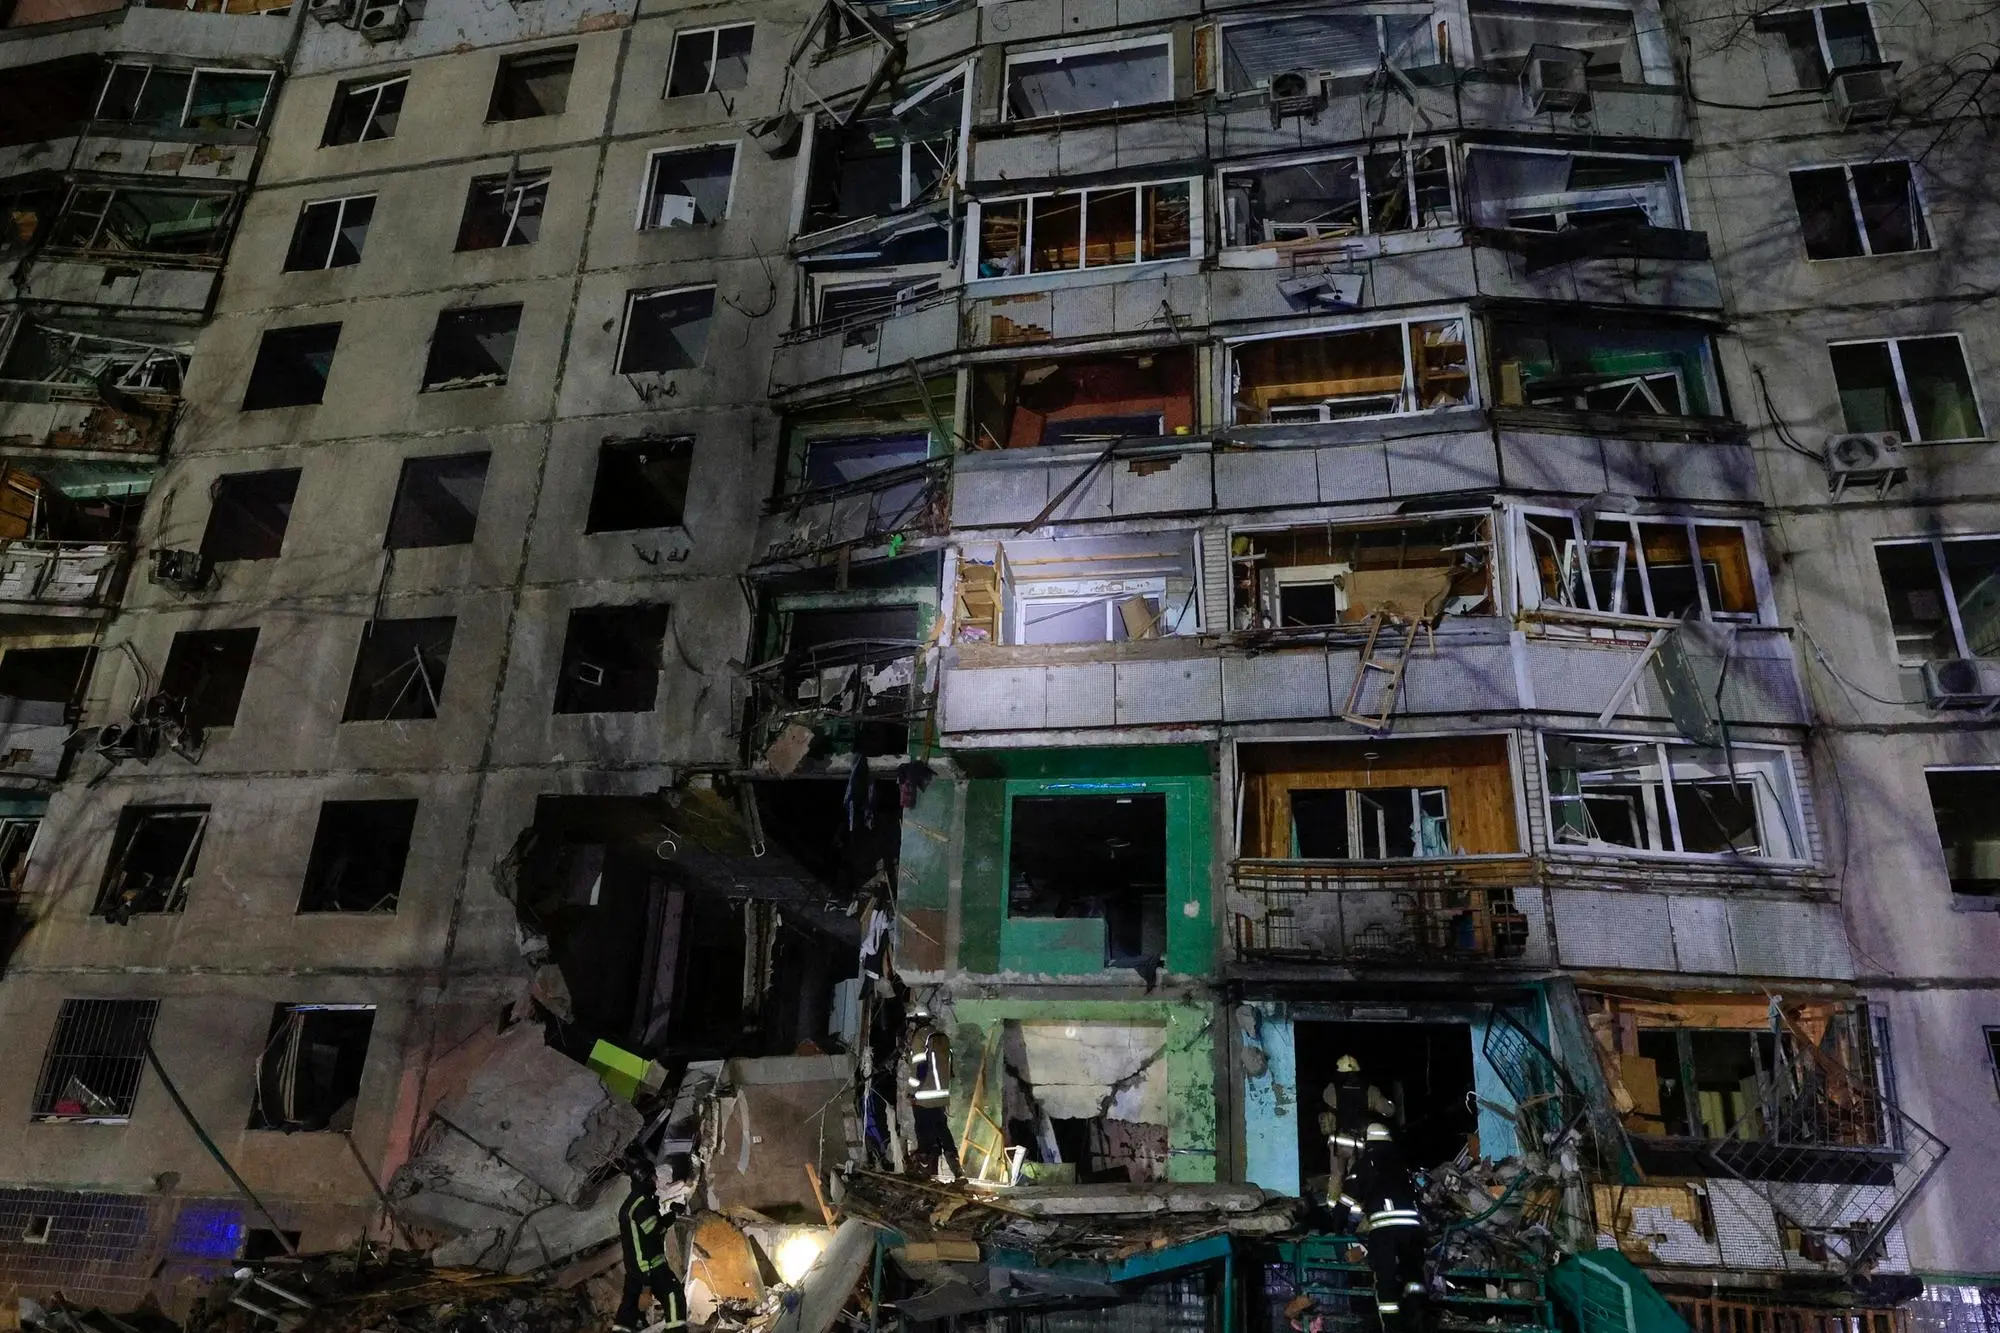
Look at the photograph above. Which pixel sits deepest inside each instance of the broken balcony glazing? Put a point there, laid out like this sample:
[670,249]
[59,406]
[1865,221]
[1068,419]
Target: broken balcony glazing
[1591,365]
[156,225]
[1369,371]
[1504,31]
[1348,194]
[1309,578]
[1634,795]
[1661,567]
[1086,229]
[1084,400]
[1077,590]
[877,165]
[1355,42]
[1090,78]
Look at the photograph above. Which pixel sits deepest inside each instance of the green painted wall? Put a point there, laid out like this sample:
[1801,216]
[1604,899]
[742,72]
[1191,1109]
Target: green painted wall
[1190,1061]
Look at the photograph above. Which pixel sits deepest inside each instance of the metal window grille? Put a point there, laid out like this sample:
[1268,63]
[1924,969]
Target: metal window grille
[93,1064]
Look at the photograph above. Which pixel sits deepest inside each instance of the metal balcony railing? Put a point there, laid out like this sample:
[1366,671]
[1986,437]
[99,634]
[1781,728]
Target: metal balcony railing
[60,574]
[1437,909]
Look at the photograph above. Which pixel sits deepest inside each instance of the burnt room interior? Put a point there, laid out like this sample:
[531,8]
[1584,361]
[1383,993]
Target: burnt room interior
[1424,1069]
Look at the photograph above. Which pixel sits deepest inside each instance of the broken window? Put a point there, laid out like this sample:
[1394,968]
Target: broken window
[1503,32]
[1377,801]
[1864,208]
[1097,856]
[1373,823]
[503,210]
[206,670]
[710,60]
[666,329]
[153,855]
[1095,590]
[611,661]
[1328,44]
[531,85]
[883,164]
[846,304]
[162,223]
[74,361]
[1375,370]
[688,187]
[472,348]
[45,675]
[1084,399]
[205,99]
[366,110]
[1534,191]
[95,1059]
[1656,797]
[399,670]
[855,661]
[641,483]
[1089,78]
[248,514]
[291,367]
[836,460]
[1820,40]
[25,211]
[1666,568]
[357,857]
[309,1075]
[1944,597]
[1352,194]
[330,233]
[1089,1102]
[1309,577]
[1917,388]
[437,501]
[1587,365]
[1053,233]
[1966,805]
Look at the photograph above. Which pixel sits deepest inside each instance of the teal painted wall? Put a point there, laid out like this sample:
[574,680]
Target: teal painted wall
[1271,1104]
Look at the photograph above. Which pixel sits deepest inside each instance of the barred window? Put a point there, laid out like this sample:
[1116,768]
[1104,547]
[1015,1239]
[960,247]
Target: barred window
[94,1060]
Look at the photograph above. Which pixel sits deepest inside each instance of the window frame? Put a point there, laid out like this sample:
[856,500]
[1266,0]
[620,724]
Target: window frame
[194,73]
[1454,176]
[1676,170]
[1630,9]
[1666,822]
[1473,354]
[1163,40]
[460,316]
[513,198]
[340,202]
[633,297]
[1894,343]
[67,210]
[515,61]
[377,87]
[1992,1033]
[45,1096]
[112,882]
[1381,12]
[1197,228]
[646,182]
[1952,618]
[1818,13]
[714,34]
[1528,572]
[1846,170]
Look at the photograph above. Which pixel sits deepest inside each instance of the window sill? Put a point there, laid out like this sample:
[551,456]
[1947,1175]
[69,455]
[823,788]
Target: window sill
[1011,284]
[1928,251]
[1965,902]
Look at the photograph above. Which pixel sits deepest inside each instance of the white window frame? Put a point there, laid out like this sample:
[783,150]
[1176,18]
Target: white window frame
[1359,155]
[1357,816]
[1406,394]
[340,219]
[1069,593]
[1846,169]
[908,287]
[68,209]
[1041,55]
[632,299]
[1952,618]
[1894,343]
[712,32]
[187,99]
[925,93]
[1662,817]
[645,223]
[513,196]
[1674,171]
[1197,224]
[1379,13]
[376,89]
[1527,545]
[1819,27]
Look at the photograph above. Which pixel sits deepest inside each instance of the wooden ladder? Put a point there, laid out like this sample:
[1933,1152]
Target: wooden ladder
[1391,667]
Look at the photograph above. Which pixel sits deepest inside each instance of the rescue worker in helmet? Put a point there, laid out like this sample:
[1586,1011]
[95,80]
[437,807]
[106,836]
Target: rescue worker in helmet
[642,1238]
[1383,1191]
[1351,1103]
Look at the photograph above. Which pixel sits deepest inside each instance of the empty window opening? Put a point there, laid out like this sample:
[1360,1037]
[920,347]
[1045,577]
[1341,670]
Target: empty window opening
[853,668]
[1084,400]
[885,163]
[688,187]
[1353,194]
[25,212]
[437,501]
[611,661]
[1379,370]
[1329,44]
[153,855]
[1092,1099]
[536,84]
[1051,233]
[1504,32]
[837,460]
[95,1059]
[1528,191]
[1588,366]
[1665,568]
[330,233]
[264,1243]
[1059,83]
[75,360]
[366,111]
[399,670]
[248,514]
[206,670]
[1944,597]
[45,675]
[640,484]
[1966,805]
[1371,824]
[847,304]
[1416,1077]
[1097,857]
[1993,1054]
[1101,590]
[666,329]
[17,847]
[1917,388]
[158,224]
[309,1076]
[472,348]
[291,367]
[1820,40]
[1865,208]
[358,854]
[1645,796]
[39,1229]
[1377,801]
[710,60]
[161,98]
[1312,577]
[504,210]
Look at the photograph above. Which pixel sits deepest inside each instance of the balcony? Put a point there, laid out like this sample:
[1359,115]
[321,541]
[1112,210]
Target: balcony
[1437,911]
[54,578]
[866,511]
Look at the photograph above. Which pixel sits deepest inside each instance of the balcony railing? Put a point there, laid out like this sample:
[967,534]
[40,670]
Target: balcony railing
[1439,909]
[60,576]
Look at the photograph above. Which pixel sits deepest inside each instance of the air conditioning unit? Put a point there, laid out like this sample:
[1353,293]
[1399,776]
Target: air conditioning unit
[383,23]
[183,571]
[331,11]
[1962,682]
[1861,94]
[778,135]
[130,740]
[672,210]
[1864,459]
[1297,92]
[1555,78]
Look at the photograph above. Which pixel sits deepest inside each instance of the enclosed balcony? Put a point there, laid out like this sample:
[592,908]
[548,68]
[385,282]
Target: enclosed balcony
[86,391]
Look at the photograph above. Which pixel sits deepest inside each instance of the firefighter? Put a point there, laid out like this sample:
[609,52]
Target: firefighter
[642,1238]
[1383,1191]
[1352,1103]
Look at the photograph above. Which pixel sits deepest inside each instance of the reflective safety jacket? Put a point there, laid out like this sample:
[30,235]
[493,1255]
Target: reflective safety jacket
[642,1232]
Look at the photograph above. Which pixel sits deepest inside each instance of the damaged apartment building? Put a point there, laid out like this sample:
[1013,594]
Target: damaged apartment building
[989,589]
